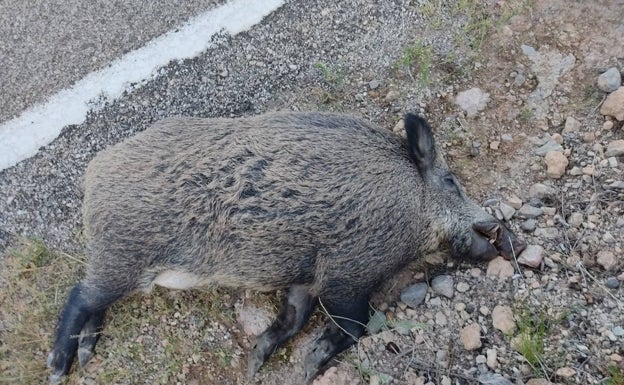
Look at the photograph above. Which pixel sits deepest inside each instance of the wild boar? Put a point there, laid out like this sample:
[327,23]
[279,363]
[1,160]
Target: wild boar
[324,206]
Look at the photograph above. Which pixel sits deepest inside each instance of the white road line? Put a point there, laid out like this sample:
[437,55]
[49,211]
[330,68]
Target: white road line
[20,138]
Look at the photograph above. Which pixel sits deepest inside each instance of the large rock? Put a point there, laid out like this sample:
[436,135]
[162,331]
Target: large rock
[528,211]
[606,259]
[503,319]
[615,148]
[414,295]
[532,256]
[470,337]
[610,80]
[443,285]
[556,164]
[541,191]
[472,101]
[547,147]
[571,125]
[254,320]
[500,267]
[614,105]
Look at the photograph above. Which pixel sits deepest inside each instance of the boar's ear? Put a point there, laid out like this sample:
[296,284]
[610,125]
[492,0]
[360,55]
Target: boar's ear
[420,140]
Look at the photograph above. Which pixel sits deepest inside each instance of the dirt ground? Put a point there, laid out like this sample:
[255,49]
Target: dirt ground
[538,62]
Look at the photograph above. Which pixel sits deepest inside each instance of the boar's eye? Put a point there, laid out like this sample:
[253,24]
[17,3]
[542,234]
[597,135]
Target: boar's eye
[450,183]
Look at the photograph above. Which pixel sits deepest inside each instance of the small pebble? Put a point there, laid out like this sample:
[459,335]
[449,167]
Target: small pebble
[414,295]
[575,219]
[607,237]
[443,285]
[615,148]
[529,225]
[557,138]
[528,211]
[507,211]
[571,125]
[492,361]
[514,202]
[565,372]
[463,287]
[612,283]
[499,267]
[556,164]
[549,146]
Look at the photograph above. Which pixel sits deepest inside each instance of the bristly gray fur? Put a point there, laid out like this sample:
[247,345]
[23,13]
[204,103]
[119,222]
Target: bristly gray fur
[262,203]
[324,205]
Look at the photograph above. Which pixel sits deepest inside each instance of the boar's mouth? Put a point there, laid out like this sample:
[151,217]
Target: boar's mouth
[491,238]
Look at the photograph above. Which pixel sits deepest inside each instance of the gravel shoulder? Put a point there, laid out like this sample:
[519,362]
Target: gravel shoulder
[537,139]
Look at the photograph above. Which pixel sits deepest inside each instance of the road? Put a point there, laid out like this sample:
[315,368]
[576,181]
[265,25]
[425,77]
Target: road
[48,45]
[43,121]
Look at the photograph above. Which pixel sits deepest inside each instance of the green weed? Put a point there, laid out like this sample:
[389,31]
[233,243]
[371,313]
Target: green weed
[417,57]
[615,376]
[526,115]
[530,342]
[334,78]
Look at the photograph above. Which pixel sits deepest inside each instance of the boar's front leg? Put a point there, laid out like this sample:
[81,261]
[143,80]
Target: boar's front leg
[293,315]
[348,319]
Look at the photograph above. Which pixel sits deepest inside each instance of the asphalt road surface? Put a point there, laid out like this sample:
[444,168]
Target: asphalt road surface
[47,45]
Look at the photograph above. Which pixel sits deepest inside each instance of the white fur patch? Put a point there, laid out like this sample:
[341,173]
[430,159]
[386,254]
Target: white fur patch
[180,280]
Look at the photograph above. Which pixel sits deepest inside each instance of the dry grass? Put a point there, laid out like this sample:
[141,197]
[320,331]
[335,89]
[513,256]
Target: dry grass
[33,286]
[161,338]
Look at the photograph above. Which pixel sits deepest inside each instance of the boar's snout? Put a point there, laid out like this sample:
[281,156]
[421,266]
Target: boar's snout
[491,238]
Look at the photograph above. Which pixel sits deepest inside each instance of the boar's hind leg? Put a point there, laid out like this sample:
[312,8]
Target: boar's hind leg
[79,326]
[348,320]
[293,315]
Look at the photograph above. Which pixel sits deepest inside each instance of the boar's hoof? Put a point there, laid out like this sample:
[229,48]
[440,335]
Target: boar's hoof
[58,363]
[262,349]
[84,355]
[319,355]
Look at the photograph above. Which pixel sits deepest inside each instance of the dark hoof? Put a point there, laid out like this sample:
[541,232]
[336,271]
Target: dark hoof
[262,349]
[317,358]
[84,355]
[59,367]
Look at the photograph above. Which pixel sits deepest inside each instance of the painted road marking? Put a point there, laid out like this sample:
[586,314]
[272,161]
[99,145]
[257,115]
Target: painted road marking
[20,138]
